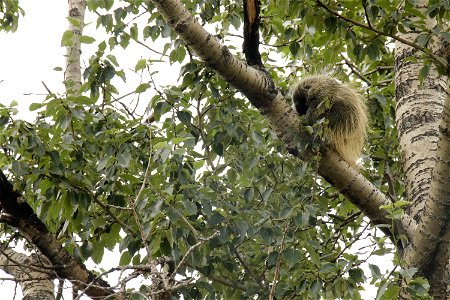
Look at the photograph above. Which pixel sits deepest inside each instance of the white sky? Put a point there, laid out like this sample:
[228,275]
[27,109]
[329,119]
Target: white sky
[28,57]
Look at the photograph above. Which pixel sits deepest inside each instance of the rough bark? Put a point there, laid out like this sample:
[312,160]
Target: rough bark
[418,115]
[430,245]
[251,33]
[36,281]
[423,129]
[438,207]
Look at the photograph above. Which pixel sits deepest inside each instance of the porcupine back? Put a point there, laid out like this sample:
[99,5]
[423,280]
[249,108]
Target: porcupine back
[346,113]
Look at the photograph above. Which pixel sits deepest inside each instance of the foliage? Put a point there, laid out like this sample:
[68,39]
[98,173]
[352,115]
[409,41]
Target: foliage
[10,12]
[102,175]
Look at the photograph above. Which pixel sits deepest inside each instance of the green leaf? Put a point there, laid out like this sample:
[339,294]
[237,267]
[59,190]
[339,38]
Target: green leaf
[184,117]
[327,268]
[19,168]
[372,51]
[357,275]
[83,100]
[423,73]
[64,122]
[358,51]
[124,159]
[266,235]
[218,148]
[35,106]
[102,163]
[190,208]
[78,113]
[125,259]
[401,203]
[177,55]
[235,21]
[140,65]
[86,39]
[294,47]
[387,294]
[418,287]
[86,249]
[178,140]
[134,32]
[102,46]
[160,145]
[408,273]
[232,175]
[316,287]
[331,24]
[375,270]
[97,253]
[108,4]
[142,88]
[66,40]
[248,194]
[112,59]
[125,40]
[292,257]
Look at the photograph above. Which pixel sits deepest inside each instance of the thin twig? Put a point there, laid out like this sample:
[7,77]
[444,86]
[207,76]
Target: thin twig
[241,260]
[138,196]
[278,265]
[366,14]
[112,215]
[194,231]
[355,71]
[192,248]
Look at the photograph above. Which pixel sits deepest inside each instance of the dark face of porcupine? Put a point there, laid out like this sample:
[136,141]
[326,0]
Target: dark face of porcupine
[306,96]
[300,98]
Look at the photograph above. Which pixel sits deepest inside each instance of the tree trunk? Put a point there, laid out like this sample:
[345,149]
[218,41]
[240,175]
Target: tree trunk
[33,273]
[72,74]
[419,114]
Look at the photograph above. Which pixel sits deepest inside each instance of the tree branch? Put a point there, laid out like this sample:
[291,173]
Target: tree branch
[251,33]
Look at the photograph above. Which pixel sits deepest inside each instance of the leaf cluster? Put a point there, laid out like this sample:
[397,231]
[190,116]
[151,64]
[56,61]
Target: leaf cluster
[206,162]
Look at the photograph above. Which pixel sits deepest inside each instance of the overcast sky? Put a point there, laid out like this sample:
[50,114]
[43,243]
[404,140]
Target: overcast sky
[29,55]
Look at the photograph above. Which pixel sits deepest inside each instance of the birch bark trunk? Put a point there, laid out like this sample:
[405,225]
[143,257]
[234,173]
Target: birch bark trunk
[72,74]
[419,114]
[35,284]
